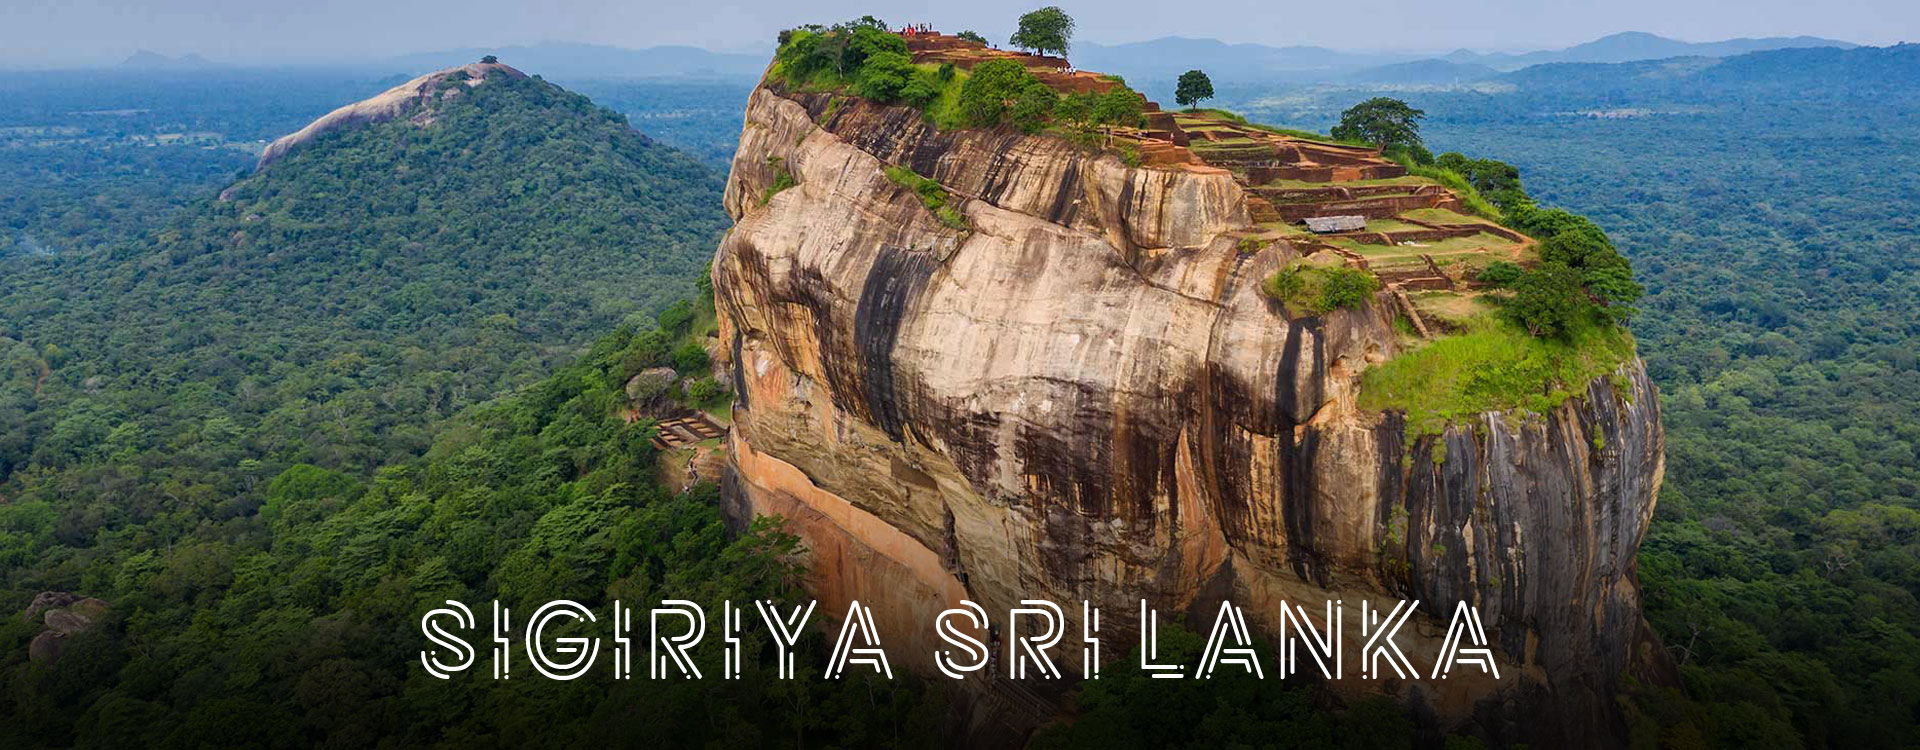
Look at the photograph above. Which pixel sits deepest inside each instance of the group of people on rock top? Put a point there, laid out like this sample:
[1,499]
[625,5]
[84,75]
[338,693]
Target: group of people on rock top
[913,29]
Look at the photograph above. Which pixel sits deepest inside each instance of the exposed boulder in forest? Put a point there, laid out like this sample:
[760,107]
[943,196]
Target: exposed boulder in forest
[65,615]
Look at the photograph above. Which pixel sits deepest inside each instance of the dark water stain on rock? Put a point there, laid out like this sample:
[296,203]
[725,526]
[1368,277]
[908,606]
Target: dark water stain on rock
[893,285]
[739,372]
[1066,197]
[1298,446]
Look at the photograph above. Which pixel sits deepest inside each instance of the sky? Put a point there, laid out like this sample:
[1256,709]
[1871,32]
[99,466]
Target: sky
[57,33]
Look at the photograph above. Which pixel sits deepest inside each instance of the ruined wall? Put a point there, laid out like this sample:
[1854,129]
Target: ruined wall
[1085,396]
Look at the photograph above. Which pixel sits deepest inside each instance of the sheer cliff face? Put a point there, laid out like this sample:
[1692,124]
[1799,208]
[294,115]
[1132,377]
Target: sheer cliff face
[1084,396]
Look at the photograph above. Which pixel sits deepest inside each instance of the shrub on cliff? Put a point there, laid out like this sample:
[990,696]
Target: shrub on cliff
[864,42]
[884,76]
[1500,273]
[1033,108]
[1603,278]
[1285,284]
[931,193]
[1346,287]
[815,54]
[990,92]
[1547,301]
[1318,290]
[1121,107]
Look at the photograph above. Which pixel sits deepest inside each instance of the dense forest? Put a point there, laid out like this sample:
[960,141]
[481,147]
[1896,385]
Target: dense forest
[293,625]
[270,431]
[702,119]
[162,390]
[1773,222]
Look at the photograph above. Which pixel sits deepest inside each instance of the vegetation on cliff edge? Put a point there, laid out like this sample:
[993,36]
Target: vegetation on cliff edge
[1557,323]
[931,194]
[863,58]
[1307,289]
[1494,366]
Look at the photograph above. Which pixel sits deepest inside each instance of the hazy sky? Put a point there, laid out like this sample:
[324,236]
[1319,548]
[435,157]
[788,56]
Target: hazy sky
[42,33]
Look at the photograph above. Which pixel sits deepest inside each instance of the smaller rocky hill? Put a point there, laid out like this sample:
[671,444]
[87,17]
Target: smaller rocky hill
[412,100]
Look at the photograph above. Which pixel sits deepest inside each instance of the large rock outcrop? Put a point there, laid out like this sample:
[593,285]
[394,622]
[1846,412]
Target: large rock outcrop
[411,100]
[1084,396]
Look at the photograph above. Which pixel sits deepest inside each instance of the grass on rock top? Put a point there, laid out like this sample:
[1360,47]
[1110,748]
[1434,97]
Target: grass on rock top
[944,112]
[1493,366]
[931,194]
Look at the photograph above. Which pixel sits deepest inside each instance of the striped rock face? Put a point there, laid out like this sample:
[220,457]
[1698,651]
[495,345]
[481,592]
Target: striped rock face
[1083,396]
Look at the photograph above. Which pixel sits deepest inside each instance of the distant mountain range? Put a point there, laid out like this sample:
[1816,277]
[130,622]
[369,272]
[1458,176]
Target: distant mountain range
[1801,72]
[569,60]
[1430,72]
[154,61]
[1151,61]
[1167,57]
[1629,46]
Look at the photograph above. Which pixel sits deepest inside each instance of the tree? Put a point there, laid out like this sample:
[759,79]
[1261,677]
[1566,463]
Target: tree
[1346,287]
[1194,88]
[1500,273]
[922,90]
[866,22]
[1033,108]
[1285,284]
[992,88]
[1491,177]
[489,60]
[1547,301]
[690,358]
[805,52]
[842,50]
[1387,123]
[1605,275]
[1578,249]
[1122,107]
[1045,30]
[864,42]
[1075,111]
[973,36]
[884,77]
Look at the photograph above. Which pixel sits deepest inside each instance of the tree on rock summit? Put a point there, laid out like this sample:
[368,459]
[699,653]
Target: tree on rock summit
[1045,30]
[1387,123]
[1194,88]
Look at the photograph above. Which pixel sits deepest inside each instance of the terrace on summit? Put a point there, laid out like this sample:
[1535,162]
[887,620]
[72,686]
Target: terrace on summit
[1419,237]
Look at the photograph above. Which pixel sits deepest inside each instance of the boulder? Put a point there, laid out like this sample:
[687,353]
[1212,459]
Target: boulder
[64,614]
